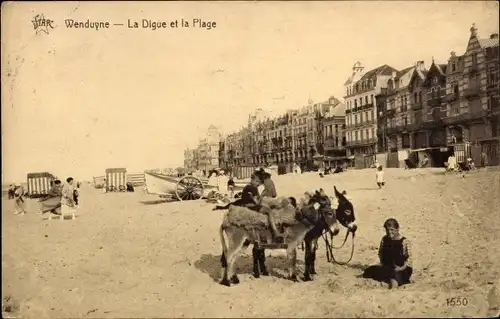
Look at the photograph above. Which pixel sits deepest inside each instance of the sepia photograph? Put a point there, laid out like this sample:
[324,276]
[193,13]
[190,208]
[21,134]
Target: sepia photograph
[250,159]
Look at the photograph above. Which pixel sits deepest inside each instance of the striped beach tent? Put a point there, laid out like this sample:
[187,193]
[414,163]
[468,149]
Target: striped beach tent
[39,183]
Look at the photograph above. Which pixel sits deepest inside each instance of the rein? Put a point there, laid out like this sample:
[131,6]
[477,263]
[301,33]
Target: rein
[329,247]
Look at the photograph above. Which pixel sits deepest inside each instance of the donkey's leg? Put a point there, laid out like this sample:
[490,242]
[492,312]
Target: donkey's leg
[313,257]
[256,260]
[291,254]
[262,262]
[307,259]
[234,243]
[238,239]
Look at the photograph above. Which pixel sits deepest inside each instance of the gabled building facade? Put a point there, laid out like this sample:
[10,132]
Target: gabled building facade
[361,117]
[472,107]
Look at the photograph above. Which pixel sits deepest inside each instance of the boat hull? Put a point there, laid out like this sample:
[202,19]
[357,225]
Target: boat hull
[163,185]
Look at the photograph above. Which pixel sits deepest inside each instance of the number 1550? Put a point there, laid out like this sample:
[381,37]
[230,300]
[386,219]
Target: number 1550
[456,301]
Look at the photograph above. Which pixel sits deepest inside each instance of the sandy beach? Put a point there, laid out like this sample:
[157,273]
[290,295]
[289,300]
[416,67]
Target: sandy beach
[126,255]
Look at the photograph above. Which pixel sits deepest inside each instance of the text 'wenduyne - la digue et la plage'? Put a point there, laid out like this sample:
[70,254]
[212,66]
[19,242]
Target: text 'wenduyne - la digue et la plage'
[198,23]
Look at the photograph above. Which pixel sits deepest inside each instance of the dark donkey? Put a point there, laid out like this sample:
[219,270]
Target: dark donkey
[344,214]
[317,213]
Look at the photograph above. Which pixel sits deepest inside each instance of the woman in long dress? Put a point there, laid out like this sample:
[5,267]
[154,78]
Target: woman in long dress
[19,197]
[52,203]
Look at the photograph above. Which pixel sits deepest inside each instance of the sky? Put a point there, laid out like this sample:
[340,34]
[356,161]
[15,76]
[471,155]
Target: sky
[78,101]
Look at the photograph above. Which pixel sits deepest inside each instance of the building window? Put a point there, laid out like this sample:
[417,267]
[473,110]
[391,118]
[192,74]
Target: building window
[455,88]
[492,76]
[360,101]
[366,99]
[420,97]
[362,135]
[356,135]
[415,98]
[474,58]
[453,67]
[371,99]
[355,103]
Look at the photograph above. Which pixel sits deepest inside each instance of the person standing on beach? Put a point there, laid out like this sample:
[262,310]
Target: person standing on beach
[19,197]
[67,199]
[379,176]
[230,186]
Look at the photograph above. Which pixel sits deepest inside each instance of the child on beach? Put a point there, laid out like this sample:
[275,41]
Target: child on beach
[395,257]
[249,196]
[230,186]
[380,176]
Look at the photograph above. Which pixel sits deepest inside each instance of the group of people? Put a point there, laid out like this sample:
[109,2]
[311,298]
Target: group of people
[61,199]
[264,203]
[222,183]
[394,252]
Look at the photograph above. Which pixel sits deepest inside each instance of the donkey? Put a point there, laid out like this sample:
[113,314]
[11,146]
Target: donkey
[317,212]
[344,216]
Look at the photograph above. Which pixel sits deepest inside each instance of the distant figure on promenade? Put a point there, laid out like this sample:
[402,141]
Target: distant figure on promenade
[484,159]
[424,161]
[19,197]
[452,163]
[396,266]
[130,187]
[68,199]
[296,169]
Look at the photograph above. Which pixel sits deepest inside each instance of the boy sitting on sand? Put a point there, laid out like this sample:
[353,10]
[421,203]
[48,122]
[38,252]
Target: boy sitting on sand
[395,257]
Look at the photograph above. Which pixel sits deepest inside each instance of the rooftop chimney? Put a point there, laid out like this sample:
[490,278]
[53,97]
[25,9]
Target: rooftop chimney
[453,53]
[419,66]
[494,36]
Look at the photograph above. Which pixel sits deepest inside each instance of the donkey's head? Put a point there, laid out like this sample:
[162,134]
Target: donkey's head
[316,209]
[345,211]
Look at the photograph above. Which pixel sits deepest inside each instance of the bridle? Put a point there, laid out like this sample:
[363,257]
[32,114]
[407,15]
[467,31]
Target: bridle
[329,247]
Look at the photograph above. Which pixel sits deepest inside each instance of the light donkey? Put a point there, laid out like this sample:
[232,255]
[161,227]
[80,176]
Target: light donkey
[316,213]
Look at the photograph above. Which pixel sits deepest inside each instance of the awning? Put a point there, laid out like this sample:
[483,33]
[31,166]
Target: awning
[425,149]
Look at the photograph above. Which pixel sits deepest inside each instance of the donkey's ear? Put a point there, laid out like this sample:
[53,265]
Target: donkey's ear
[337,194]
[322,192]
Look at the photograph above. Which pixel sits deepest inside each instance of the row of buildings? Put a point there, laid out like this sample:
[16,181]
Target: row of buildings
[385,112]
[205,156]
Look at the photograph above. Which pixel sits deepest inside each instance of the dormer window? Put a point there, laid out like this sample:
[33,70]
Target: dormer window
[434,80]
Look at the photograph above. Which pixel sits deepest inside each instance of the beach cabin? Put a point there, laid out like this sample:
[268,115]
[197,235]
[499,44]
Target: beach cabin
[116,179]
[39,184]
